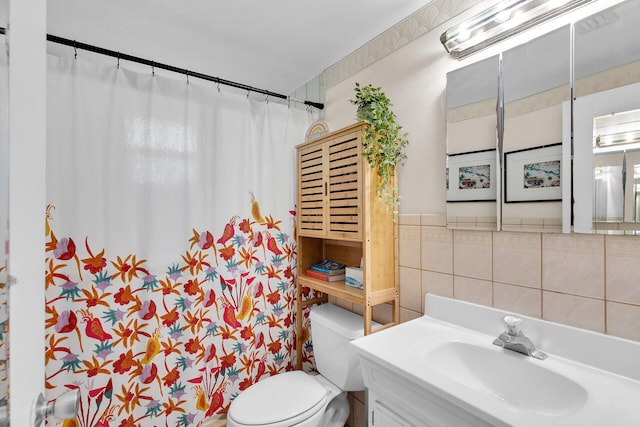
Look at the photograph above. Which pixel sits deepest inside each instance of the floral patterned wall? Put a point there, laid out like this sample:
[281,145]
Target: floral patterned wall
[173,347]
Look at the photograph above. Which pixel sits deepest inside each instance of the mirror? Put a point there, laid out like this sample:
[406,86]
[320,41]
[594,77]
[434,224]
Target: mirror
[607,97]
[536,85]
[4,214]
[616,173]
[472,160]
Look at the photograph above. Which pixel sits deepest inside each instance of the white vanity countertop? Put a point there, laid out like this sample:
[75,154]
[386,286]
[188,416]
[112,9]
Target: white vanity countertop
[610,399]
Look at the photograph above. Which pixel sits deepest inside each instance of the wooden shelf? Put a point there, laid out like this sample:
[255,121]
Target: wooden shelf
[338,289]
[340,218]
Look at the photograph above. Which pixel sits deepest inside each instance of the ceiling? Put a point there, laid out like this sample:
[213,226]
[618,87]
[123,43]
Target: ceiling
[277,45]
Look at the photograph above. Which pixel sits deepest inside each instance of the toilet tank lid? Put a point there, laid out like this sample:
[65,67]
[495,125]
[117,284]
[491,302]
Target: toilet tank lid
[344,322]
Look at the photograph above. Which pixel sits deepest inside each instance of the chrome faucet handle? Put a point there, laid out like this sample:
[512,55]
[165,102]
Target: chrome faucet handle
[513,338]
[512,324]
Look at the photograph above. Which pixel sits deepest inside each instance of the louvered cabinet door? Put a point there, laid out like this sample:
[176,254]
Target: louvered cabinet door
[312,202]
[344,175]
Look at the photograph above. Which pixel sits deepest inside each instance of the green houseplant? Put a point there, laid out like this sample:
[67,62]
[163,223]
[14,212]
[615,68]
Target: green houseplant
[383,142]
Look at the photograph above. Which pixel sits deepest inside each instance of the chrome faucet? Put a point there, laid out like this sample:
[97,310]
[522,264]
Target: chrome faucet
[513,338]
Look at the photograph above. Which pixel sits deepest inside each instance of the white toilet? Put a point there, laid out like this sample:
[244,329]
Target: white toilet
[299,399]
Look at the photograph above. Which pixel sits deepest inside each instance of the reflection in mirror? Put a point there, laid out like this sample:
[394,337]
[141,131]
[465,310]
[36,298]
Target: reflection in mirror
[472,178]
[600,150]
[537,92]
[607,52]
[616,173]
[607,80]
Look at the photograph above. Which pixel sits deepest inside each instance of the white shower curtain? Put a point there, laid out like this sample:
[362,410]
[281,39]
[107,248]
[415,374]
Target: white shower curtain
[170,249]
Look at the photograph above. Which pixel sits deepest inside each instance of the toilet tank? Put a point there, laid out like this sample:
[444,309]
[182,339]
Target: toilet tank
[332,328]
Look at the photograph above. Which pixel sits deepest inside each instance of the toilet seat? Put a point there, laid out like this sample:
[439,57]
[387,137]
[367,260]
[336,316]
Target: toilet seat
[280,400]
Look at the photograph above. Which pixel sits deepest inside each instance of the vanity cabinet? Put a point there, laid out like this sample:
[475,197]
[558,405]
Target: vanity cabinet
[394,400]
[340,218]
[385,417]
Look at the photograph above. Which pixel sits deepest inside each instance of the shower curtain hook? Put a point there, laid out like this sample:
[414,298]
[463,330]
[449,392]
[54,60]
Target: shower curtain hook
[153,68]
[218,85]
[248,92]
[187,72]
[75,50]
[118,61]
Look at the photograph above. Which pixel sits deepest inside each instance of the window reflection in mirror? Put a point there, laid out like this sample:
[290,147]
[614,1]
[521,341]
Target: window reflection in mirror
[472,177]
[616,173]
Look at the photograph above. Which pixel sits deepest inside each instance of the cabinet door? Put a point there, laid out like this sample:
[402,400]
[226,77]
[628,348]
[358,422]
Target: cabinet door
[382,416]
[330,183]
[311,190]
[345,181]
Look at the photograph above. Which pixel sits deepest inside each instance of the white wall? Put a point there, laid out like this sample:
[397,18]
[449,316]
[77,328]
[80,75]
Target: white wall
[27,73]
[414,80]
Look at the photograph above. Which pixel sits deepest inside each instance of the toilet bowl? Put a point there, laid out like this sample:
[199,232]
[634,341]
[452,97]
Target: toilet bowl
[300,399]
[290,399]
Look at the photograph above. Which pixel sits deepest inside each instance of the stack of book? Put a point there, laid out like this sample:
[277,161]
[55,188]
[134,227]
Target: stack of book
[327,270]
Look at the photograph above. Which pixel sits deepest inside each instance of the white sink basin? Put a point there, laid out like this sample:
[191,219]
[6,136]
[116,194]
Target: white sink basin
[446,359]
[519,381]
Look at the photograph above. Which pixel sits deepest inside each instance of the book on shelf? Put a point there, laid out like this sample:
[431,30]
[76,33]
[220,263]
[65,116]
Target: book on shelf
[329,267]
[325,277]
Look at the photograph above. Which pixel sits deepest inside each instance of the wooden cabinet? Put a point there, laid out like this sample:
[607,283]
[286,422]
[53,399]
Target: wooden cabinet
[341,218]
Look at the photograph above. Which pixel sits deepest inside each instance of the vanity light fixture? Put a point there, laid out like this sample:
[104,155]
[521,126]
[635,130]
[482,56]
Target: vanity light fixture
[619,138]
[505,19]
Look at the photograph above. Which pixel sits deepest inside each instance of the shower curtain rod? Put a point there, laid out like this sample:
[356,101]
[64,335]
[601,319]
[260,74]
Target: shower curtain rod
[96,49]
[188,73]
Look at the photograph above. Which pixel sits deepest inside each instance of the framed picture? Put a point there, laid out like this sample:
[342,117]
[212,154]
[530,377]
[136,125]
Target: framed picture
[533,174]
[471,177]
